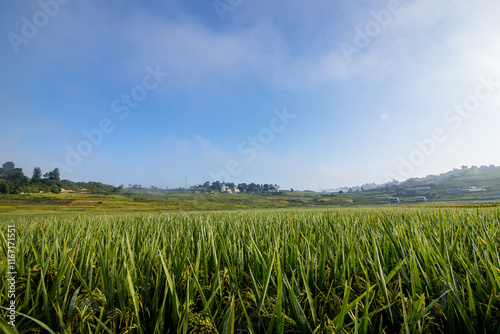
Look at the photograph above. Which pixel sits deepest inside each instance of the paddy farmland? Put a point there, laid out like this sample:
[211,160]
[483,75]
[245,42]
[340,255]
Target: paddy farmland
[401,270]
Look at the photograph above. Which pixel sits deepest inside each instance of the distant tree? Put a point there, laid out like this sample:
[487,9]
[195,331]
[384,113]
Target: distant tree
[4,187]
[55,175]
[14,176]
[68,185]
[206,185]
[118,189]
[291,189]
[7,169]
[55,189]
[253,187]
[27,189]
[37,175]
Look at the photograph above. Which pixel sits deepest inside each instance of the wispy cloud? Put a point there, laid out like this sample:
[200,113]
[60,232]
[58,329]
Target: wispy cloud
[227,75]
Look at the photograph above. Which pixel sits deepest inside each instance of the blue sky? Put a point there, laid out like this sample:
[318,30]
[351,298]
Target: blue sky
[369,89]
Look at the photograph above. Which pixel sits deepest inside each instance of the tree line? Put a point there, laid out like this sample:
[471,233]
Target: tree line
[252,187]
[13,181]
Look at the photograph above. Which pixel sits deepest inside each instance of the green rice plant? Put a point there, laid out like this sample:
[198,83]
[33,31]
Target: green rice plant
[423,270]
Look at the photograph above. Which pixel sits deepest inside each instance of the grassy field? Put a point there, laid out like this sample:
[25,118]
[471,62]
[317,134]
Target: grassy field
[270,271]
[147,201]
[48,204]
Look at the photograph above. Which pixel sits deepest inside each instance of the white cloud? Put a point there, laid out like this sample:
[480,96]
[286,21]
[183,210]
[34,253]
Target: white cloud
[429,57]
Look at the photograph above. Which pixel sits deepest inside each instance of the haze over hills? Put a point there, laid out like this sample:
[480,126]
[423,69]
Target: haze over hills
[485,177]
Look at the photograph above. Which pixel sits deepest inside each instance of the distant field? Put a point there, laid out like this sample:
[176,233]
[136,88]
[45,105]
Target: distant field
[174,201]
[47,204]
[286,271]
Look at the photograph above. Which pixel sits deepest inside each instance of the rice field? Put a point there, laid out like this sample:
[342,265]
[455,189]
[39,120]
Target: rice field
[297,271]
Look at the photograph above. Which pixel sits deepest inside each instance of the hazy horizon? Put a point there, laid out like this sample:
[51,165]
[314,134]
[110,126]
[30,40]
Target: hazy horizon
[313,95]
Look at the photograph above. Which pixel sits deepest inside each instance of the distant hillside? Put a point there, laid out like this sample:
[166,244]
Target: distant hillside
[485,177]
